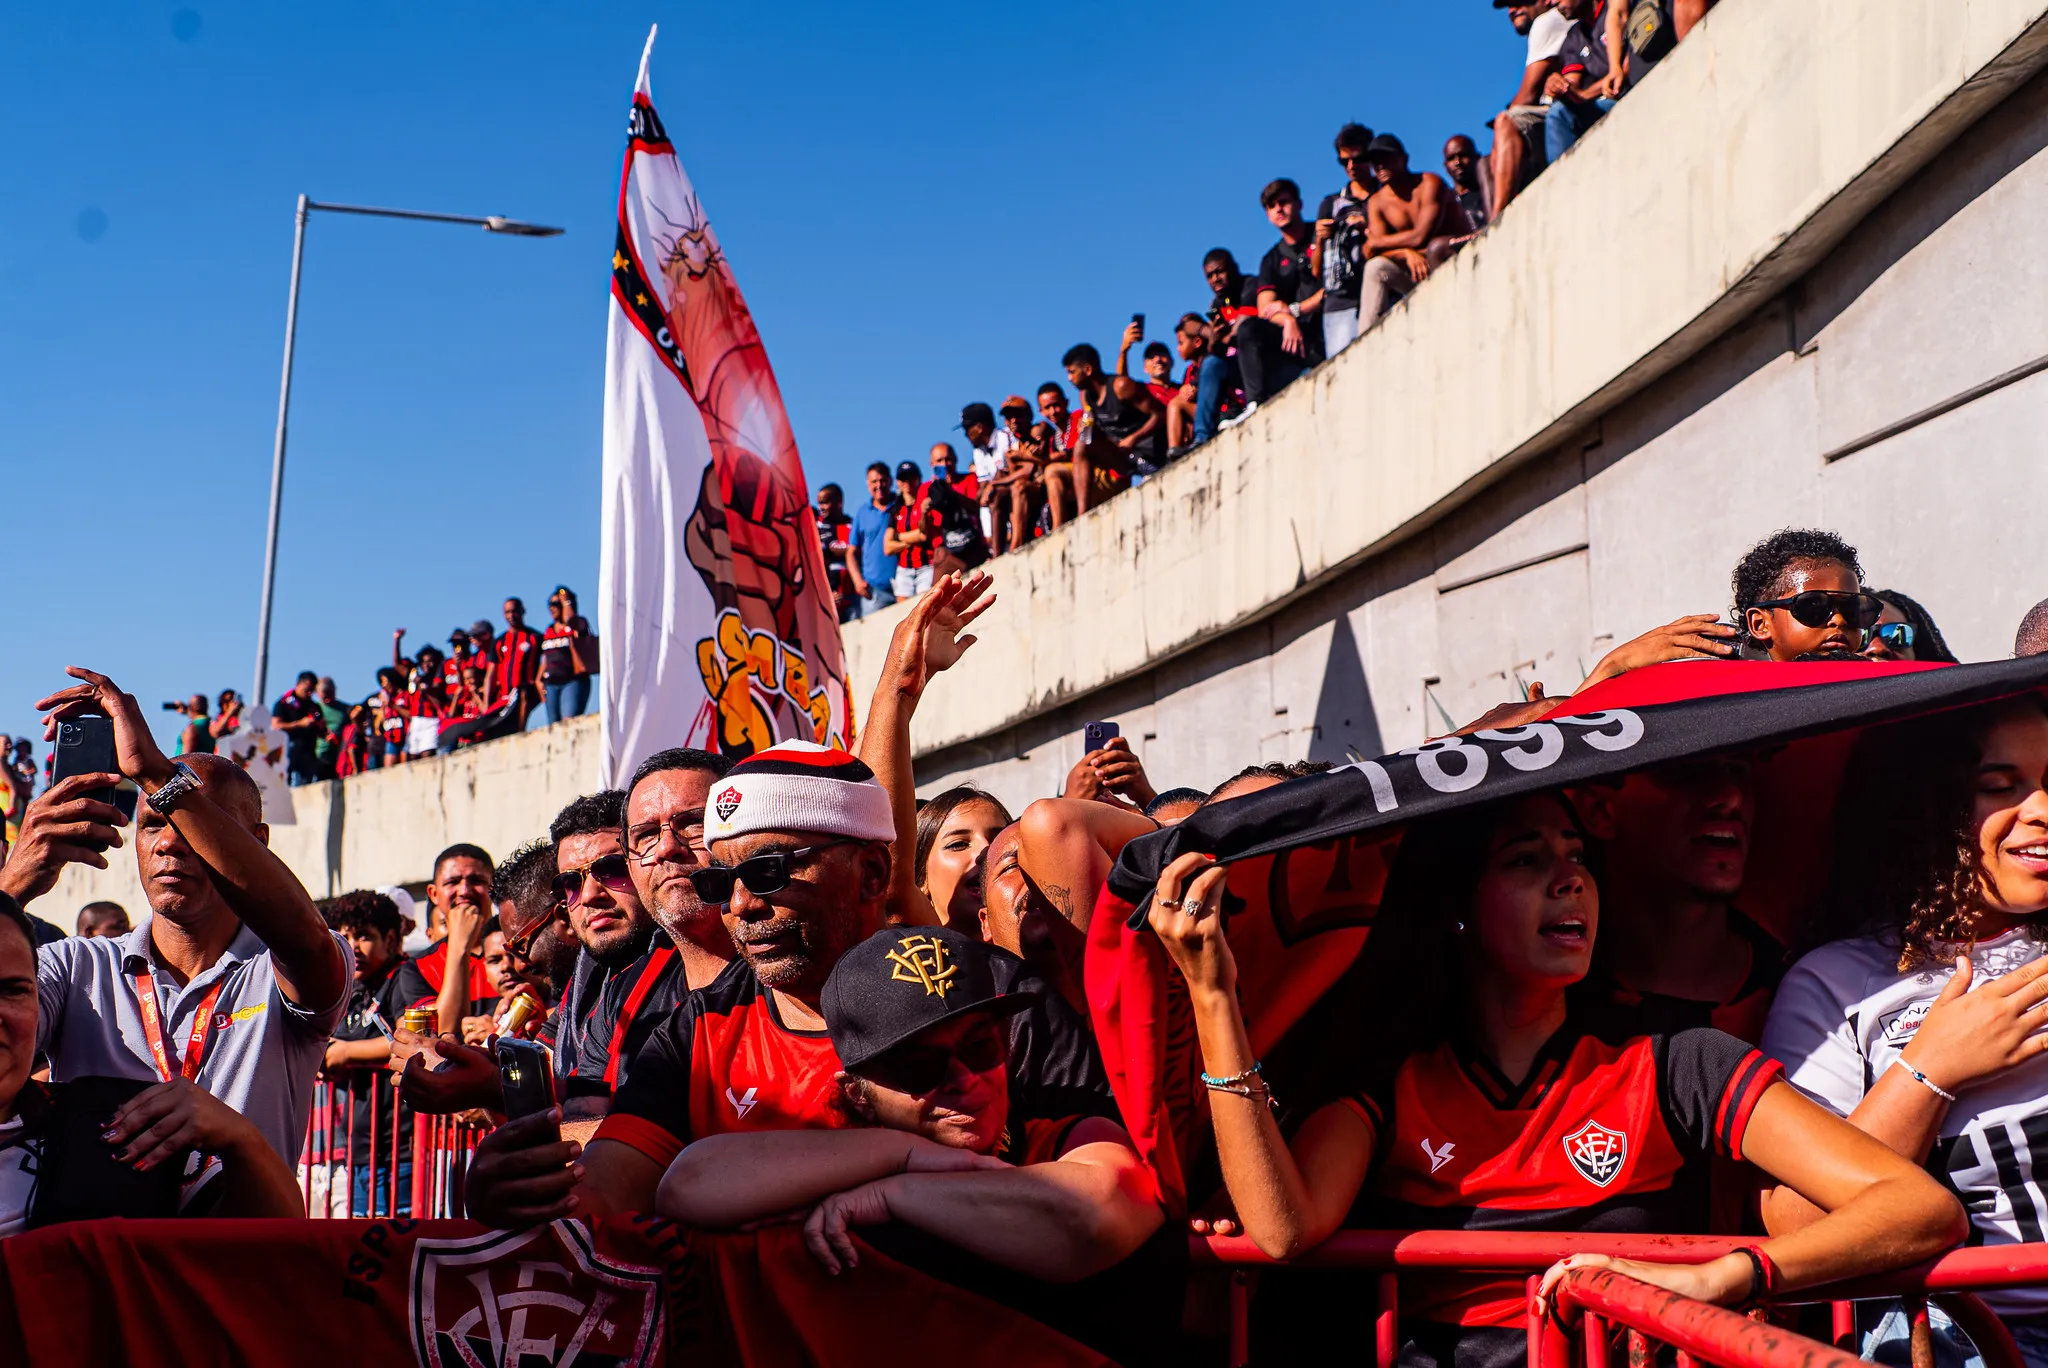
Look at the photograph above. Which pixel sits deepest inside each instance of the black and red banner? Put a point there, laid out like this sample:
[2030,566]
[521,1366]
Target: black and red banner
[1309,858]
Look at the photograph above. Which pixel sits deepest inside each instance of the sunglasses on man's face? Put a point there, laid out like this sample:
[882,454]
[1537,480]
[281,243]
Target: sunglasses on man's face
[920,1070]
[1897,635]
[609,870]
[761,874]
[1818,607]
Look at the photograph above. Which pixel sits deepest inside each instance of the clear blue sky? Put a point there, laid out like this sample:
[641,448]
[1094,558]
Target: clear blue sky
[924,204]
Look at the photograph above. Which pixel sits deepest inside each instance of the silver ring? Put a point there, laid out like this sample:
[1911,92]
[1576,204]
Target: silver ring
[1168,903]
[1193,908]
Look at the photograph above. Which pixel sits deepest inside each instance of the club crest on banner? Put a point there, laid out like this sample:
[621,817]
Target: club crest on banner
[1597,1152]
[532,1297]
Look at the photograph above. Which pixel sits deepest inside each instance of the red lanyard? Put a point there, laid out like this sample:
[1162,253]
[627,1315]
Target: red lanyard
[153,1026]
[656,962]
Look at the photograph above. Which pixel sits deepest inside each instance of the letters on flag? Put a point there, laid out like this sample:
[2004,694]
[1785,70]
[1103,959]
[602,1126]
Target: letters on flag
[720,628]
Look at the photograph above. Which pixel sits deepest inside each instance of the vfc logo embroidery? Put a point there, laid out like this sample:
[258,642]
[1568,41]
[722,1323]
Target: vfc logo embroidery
[727,803]
[922,960]
[542,1296]
[1597,1152]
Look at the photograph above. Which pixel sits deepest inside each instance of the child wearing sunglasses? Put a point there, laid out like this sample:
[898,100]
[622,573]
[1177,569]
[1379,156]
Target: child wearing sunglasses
[1799,593]
[1052,1215]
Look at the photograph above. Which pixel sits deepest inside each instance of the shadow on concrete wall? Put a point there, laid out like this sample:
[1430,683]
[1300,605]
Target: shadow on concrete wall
[1344,711]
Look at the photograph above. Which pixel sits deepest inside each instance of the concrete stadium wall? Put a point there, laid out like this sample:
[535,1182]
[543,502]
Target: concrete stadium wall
[1794,279]
[386,827]
[1815,224]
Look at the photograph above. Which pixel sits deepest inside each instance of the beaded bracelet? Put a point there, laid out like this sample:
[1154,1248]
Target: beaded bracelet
[1924,1081]
[1241,1085]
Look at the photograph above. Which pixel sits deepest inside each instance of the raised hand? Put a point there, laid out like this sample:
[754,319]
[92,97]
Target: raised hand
[1187,916]
[61,827]
[930,638]
[135,750]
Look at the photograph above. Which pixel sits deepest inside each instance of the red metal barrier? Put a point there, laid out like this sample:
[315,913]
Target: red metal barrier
[1705,1333]
[1949,1282]
[432,1152]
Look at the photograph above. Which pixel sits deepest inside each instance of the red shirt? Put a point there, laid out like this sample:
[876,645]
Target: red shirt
[909,516]
[724,1062]
[1610,1135]
[518,663]
[430,968]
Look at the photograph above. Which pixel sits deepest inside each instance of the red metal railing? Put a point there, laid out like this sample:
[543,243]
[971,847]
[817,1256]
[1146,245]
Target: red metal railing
[1949,1282]
[358,1125]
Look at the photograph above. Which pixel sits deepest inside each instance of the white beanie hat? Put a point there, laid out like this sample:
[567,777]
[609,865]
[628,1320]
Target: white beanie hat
[800,786]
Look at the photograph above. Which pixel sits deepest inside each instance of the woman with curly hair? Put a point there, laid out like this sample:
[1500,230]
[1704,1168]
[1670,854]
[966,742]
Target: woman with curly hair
[1905,631]
[1922,1020]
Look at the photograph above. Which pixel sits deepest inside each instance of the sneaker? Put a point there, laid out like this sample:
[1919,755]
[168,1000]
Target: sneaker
[1234,419]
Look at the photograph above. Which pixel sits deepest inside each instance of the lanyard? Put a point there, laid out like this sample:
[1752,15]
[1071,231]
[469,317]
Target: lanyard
[656,962]
[153,1026]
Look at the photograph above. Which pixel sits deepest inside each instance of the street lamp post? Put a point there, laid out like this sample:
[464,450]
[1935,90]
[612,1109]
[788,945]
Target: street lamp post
[492,223]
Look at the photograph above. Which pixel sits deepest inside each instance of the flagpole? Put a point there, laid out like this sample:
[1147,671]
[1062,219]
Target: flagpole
[284,404]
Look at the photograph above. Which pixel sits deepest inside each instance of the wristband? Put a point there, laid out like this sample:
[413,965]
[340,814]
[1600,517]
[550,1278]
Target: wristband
[1924,1081]
[1763,1275]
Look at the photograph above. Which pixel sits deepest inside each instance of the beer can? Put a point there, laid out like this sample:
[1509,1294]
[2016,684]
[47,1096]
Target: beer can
[522,1010]
[420,1020]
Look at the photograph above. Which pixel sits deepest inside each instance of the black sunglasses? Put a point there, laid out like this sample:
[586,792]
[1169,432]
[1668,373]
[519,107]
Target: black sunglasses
[609,870]
[1897,635]
[1818,607]
[764,874]
[920,1069]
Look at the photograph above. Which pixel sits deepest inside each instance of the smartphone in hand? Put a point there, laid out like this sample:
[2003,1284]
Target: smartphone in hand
[1097,735]
[85,745]
[526,1076]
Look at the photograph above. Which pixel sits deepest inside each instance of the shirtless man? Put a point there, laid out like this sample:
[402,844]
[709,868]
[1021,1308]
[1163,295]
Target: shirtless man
[1414,222]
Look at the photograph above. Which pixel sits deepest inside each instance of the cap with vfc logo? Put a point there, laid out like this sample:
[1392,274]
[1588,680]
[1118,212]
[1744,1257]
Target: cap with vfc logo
[904,980]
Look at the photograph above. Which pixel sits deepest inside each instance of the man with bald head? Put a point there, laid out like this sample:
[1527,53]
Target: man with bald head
[2032,638]
[234,980]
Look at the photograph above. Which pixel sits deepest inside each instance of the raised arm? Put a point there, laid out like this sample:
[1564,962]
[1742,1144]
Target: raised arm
[1068,846]
[1060,1221]
[1287,1199]
[724,1181]
[465,933]
[257,886]
[927,641]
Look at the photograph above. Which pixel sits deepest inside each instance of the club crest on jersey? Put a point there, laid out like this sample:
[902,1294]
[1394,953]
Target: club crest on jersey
[727,803]
[1597,1152]
[541,1296]
[922,960]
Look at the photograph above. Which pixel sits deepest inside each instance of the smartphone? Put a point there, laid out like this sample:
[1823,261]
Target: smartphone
[526,1075]
[85,745]
[1139,320]
[1096,735]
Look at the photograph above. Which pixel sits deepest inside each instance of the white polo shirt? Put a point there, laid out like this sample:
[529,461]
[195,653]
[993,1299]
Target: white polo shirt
[261,1051]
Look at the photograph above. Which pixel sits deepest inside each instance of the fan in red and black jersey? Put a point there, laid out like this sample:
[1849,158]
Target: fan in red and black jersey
[515,670]
[799,839]
[942,1166]
[1486,1097]
[462,879]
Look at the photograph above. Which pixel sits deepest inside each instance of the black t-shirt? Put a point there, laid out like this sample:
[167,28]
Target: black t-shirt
[571,1017]
[1585,51]
[417,982]
[1344,253]
[835,533]
[643,1001]
[384,997]
[958,524]
[1285,270]
[292,708]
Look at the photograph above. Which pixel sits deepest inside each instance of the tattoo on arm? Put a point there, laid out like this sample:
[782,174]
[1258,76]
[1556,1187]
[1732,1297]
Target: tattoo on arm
[1062,898]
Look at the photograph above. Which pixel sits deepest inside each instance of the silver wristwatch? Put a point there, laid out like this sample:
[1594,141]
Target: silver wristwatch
[182,783]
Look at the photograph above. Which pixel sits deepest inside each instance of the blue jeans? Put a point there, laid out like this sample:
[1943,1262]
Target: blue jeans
[1340,330]
[1888,1338]
[568,699]
[1209,383]
[359,1190]
[883,596]
[1567,122]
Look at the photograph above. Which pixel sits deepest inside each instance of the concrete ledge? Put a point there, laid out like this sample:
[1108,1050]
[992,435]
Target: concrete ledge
[385,827]
[1753,150]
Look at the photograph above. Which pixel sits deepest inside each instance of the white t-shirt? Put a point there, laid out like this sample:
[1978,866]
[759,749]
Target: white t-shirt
[989,462]
[1546,40]
[1842,1017]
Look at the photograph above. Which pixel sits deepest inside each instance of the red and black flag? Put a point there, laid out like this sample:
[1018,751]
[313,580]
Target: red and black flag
[1309,859]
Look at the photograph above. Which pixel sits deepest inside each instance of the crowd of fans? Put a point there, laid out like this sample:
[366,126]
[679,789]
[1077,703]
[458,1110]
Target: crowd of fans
[788,988]
[1031,464]
[487,684]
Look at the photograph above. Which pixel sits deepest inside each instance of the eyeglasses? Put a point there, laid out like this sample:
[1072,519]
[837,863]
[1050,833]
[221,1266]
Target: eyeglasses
[522,943]
[1817,608]
[763,874]
[1897,635]
[1351,158]
[608,870]
[687,827]
[921,1069]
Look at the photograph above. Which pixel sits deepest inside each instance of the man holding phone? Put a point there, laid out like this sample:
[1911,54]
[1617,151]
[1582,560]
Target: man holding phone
[234,982]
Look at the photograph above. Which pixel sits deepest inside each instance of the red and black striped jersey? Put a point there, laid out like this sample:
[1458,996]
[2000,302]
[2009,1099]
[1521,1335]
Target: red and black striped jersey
[723,1061]
[914,517]
[518,662]
[1611,1135]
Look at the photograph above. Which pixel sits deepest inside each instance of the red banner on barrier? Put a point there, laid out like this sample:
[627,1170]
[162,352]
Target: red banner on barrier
[629,1291]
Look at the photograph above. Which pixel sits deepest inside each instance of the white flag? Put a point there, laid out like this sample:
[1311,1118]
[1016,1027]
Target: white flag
[720,629]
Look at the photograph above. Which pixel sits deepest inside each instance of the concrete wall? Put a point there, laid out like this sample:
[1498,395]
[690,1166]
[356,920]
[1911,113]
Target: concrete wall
[1814,222]
[386,827]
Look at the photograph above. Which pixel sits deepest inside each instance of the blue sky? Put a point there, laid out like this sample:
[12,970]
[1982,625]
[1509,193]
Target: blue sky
[924,204]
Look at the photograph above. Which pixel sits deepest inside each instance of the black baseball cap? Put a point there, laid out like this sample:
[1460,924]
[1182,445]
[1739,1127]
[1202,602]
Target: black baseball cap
[976,413]
[1386,144]
[904,980]
[459,634]
[910,470]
